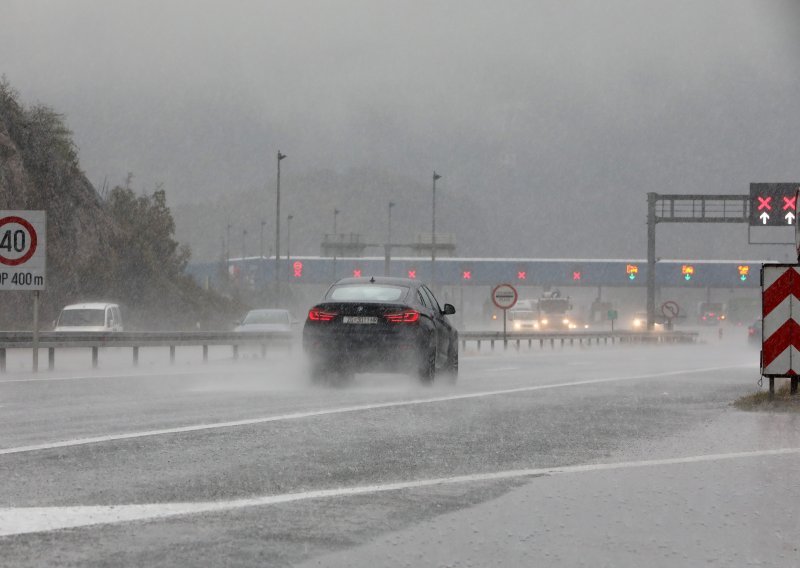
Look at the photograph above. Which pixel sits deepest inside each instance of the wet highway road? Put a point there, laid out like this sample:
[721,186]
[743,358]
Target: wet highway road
[618,456]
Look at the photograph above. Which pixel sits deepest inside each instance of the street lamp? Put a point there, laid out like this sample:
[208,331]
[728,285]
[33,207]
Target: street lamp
[289,236]
[433,228]
[228,245]
[278,227]
[262,237]
[389,235]
[388,243]
[335,215]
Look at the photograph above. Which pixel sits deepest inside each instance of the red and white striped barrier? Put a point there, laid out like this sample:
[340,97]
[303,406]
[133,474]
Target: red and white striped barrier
[780,305]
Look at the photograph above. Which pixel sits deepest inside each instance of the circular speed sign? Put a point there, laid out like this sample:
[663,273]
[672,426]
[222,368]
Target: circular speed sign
[18,240]
[504,296]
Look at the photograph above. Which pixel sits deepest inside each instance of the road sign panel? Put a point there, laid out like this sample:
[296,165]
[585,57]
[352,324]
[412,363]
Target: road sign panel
[773,204]
[504,296]
[670,309]
[22,250]
[780,304]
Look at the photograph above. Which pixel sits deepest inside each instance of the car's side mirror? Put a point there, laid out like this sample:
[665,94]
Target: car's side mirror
[449,309]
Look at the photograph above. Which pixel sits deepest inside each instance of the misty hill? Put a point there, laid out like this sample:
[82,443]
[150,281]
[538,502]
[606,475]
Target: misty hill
[117,247]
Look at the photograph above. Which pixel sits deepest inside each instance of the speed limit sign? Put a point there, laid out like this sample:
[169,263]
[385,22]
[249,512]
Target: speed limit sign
[22,250]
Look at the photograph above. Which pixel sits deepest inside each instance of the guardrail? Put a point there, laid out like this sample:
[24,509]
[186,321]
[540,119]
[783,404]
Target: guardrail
[574,337]
[135,340]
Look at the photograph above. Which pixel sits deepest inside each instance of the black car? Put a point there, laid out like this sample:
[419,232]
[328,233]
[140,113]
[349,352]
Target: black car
[380,324]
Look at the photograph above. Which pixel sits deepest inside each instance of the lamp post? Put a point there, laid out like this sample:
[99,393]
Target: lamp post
[278,228]
[289,236]
[433,228]
[228,245]
[262,238]
[335,215]
[388,251]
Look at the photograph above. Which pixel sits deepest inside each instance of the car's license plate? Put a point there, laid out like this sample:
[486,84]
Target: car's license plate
[360,319]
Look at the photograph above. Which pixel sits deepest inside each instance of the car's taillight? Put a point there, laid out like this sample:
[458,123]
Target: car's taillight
[406,316]
[315,314]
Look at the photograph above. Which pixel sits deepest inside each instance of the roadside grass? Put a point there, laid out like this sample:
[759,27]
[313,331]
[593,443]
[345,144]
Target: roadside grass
[782,401]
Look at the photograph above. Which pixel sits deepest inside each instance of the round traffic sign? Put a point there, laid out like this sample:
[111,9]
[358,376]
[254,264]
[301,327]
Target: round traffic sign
[504,296]
[670,309]
[18,240]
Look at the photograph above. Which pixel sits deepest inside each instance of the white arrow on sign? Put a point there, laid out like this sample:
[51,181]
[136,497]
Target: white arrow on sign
[789,218]
[764,217]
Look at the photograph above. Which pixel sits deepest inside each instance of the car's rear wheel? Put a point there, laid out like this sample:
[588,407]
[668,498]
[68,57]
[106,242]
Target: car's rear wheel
[451,368]
[427,366]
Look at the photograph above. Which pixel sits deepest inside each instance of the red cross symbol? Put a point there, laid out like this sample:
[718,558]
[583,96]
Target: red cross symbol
[576,275]
[764,203]
[357,273]
[522,275]
[412,274]
[467,275]
[790,203]
[298,269]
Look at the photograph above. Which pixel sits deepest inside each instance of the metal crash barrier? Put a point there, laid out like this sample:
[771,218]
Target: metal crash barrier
[579,338]
[136,340]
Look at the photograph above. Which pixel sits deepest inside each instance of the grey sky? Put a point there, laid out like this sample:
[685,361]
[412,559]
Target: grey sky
[557,116]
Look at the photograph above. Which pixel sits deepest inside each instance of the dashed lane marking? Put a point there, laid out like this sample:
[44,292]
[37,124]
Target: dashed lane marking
[342,410]
[24,520]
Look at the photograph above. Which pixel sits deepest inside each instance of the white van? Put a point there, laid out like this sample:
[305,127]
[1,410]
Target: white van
[90,317]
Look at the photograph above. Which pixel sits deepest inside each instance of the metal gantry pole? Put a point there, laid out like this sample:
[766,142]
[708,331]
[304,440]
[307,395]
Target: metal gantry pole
[651,260]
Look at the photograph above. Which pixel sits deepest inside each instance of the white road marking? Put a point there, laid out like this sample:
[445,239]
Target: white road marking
[341,410]
[24,520]
[500,369]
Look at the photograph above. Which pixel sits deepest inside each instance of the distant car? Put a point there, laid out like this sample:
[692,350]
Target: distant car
[266,320]
[639,322]
[754,332]
[380,324]
[95,316]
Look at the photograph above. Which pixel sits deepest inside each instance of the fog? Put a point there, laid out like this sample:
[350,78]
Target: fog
[548,120]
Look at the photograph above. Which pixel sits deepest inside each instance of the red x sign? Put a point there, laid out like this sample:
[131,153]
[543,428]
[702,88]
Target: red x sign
[412,274]
[764,203]
[522,275]
[467,275]
[790,203]
[357,273]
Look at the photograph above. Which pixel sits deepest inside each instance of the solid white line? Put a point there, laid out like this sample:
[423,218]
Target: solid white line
[24,520]
[340,410]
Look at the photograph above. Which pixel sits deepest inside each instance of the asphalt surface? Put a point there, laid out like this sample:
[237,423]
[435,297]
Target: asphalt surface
[601,456]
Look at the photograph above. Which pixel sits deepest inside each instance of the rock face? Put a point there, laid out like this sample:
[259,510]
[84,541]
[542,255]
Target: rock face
[39,170]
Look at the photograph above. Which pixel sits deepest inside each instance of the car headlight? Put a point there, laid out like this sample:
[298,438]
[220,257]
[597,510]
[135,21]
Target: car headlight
[545,322]
[637,322]
[517,325]
[573,326]
[536,325]
[565,321]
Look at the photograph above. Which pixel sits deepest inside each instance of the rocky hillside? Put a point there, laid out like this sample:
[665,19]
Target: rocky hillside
[96,248]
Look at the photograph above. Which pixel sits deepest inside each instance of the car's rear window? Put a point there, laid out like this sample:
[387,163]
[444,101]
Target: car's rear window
[367,293]
[82,317]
